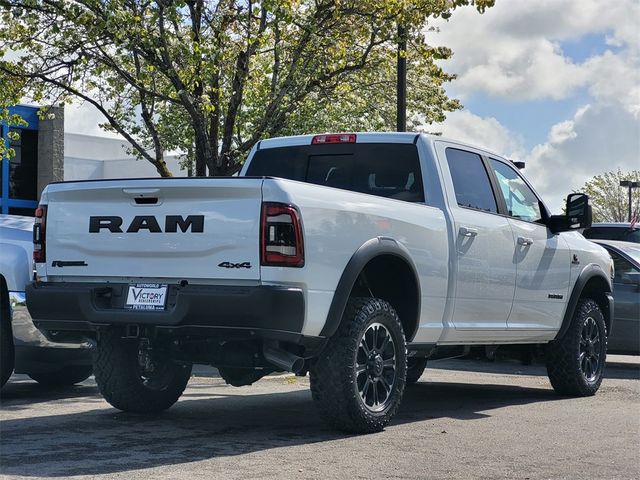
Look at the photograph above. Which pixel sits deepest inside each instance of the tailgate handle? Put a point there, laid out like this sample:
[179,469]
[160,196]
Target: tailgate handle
[146,200]
[142,196]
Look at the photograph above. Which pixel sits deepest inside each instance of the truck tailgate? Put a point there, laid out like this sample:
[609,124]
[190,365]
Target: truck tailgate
[183,228]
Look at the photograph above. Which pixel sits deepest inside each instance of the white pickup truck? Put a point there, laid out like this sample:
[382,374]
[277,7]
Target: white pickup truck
[354,257]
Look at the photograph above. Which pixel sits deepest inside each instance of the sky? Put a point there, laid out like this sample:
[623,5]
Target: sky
[554,83]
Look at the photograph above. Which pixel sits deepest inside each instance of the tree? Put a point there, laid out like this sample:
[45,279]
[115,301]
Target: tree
[609,200]
[10,120]
[10,96]
[211,78]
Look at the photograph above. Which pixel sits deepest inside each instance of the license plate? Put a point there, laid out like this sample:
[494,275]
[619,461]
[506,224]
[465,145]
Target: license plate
[146,296]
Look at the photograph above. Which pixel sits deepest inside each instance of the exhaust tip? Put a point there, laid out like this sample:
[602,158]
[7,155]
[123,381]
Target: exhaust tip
[284,360]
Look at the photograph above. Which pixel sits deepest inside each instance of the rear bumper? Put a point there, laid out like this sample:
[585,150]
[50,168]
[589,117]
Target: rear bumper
[191,309]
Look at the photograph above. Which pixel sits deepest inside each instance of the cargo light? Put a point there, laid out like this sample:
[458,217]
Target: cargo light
[281,243]
[334,138]
[39,235]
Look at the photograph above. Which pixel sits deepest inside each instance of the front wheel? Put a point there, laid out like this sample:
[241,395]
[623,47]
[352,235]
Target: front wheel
[575,362]
[63,377]
[134,378]
[358,381]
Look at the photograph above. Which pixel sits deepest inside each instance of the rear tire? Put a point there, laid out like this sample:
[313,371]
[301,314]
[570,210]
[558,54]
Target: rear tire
[358,381]
[575,362]
[64,377]
[415,369]
[6,349]
[128,386]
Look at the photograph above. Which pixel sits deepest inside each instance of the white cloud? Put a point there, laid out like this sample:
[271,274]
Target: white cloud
[597,140]
[514,51]
[487,133]
[562,131]
[615,79]
[524,74]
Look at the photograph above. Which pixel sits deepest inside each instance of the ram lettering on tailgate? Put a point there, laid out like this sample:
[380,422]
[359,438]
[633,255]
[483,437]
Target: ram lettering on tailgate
[194,223]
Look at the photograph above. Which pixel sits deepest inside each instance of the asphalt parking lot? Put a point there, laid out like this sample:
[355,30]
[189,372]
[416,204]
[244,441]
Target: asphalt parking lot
[464,419]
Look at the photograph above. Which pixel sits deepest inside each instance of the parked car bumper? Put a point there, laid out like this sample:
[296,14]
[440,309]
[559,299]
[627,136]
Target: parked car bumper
[36,353]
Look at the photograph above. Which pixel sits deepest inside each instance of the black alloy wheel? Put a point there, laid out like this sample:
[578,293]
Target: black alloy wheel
[376,373]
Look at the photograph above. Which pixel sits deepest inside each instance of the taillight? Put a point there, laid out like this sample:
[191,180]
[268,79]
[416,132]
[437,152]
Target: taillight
[334,138]
[281,236]
[39,235]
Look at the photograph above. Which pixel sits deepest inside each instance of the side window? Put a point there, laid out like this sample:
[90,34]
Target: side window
[521,202]
[621,266]
[470,180]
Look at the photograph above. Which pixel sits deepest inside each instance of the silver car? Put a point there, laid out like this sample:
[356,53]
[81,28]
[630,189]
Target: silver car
[50,361]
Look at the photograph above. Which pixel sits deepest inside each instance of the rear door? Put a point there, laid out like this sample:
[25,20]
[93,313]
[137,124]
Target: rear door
[484,271]
[180,229]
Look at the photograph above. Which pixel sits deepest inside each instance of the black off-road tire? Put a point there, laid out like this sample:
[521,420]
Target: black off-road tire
[571,360]
[335,383]
[6,349]
[120,380]
[415,369]
[64,377]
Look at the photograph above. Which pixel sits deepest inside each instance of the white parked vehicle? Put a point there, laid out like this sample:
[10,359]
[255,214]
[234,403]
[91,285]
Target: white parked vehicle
[352,256]
[24,349]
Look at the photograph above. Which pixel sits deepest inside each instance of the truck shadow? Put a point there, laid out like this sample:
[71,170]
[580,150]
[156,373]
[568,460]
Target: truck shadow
[103,440]
[614,369]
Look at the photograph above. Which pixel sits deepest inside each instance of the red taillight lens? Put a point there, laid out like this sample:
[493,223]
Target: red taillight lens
[334,138]
[39,235]
[281,236]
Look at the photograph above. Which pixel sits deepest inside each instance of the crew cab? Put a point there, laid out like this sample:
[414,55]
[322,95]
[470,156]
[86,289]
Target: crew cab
[354,257]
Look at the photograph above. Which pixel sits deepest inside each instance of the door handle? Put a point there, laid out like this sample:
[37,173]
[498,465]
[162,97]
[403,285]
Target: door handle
[525,241]
[468,232]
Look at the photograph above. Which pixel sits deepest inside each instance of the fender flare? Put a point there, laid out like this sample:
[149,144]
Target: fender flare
[371,249]
[589,272]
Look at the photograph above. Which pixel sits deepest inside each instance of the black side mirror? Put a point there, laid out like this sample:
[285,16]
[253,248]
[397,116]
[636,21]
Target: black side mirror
[578,211]
[577,214]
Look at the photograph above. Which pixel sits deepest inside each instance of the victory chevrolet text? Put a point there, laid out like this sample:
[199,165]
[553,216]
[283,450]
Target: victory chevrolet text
[353,257]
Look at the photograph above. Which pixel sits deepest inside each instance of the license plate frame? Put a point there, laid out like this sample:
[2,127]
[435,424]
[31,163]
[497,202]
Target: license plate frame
[146,296]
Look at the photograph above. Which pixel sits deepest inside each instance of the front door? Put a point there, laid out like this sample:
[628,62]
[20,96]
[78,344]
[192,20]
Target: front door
[542,259]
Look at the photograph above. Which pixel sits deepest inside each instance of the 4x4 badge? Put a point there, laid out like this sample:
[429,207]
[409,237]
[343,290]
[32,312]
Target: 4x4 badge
[235,265]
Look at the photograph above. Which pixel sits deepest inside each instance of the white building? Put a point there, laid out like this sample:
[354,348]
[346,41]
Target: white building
[88,157]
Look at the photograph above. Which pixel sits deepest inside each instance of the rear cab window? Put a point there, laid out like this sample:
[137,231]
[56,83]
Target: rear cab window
[390,170]
[471,182]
